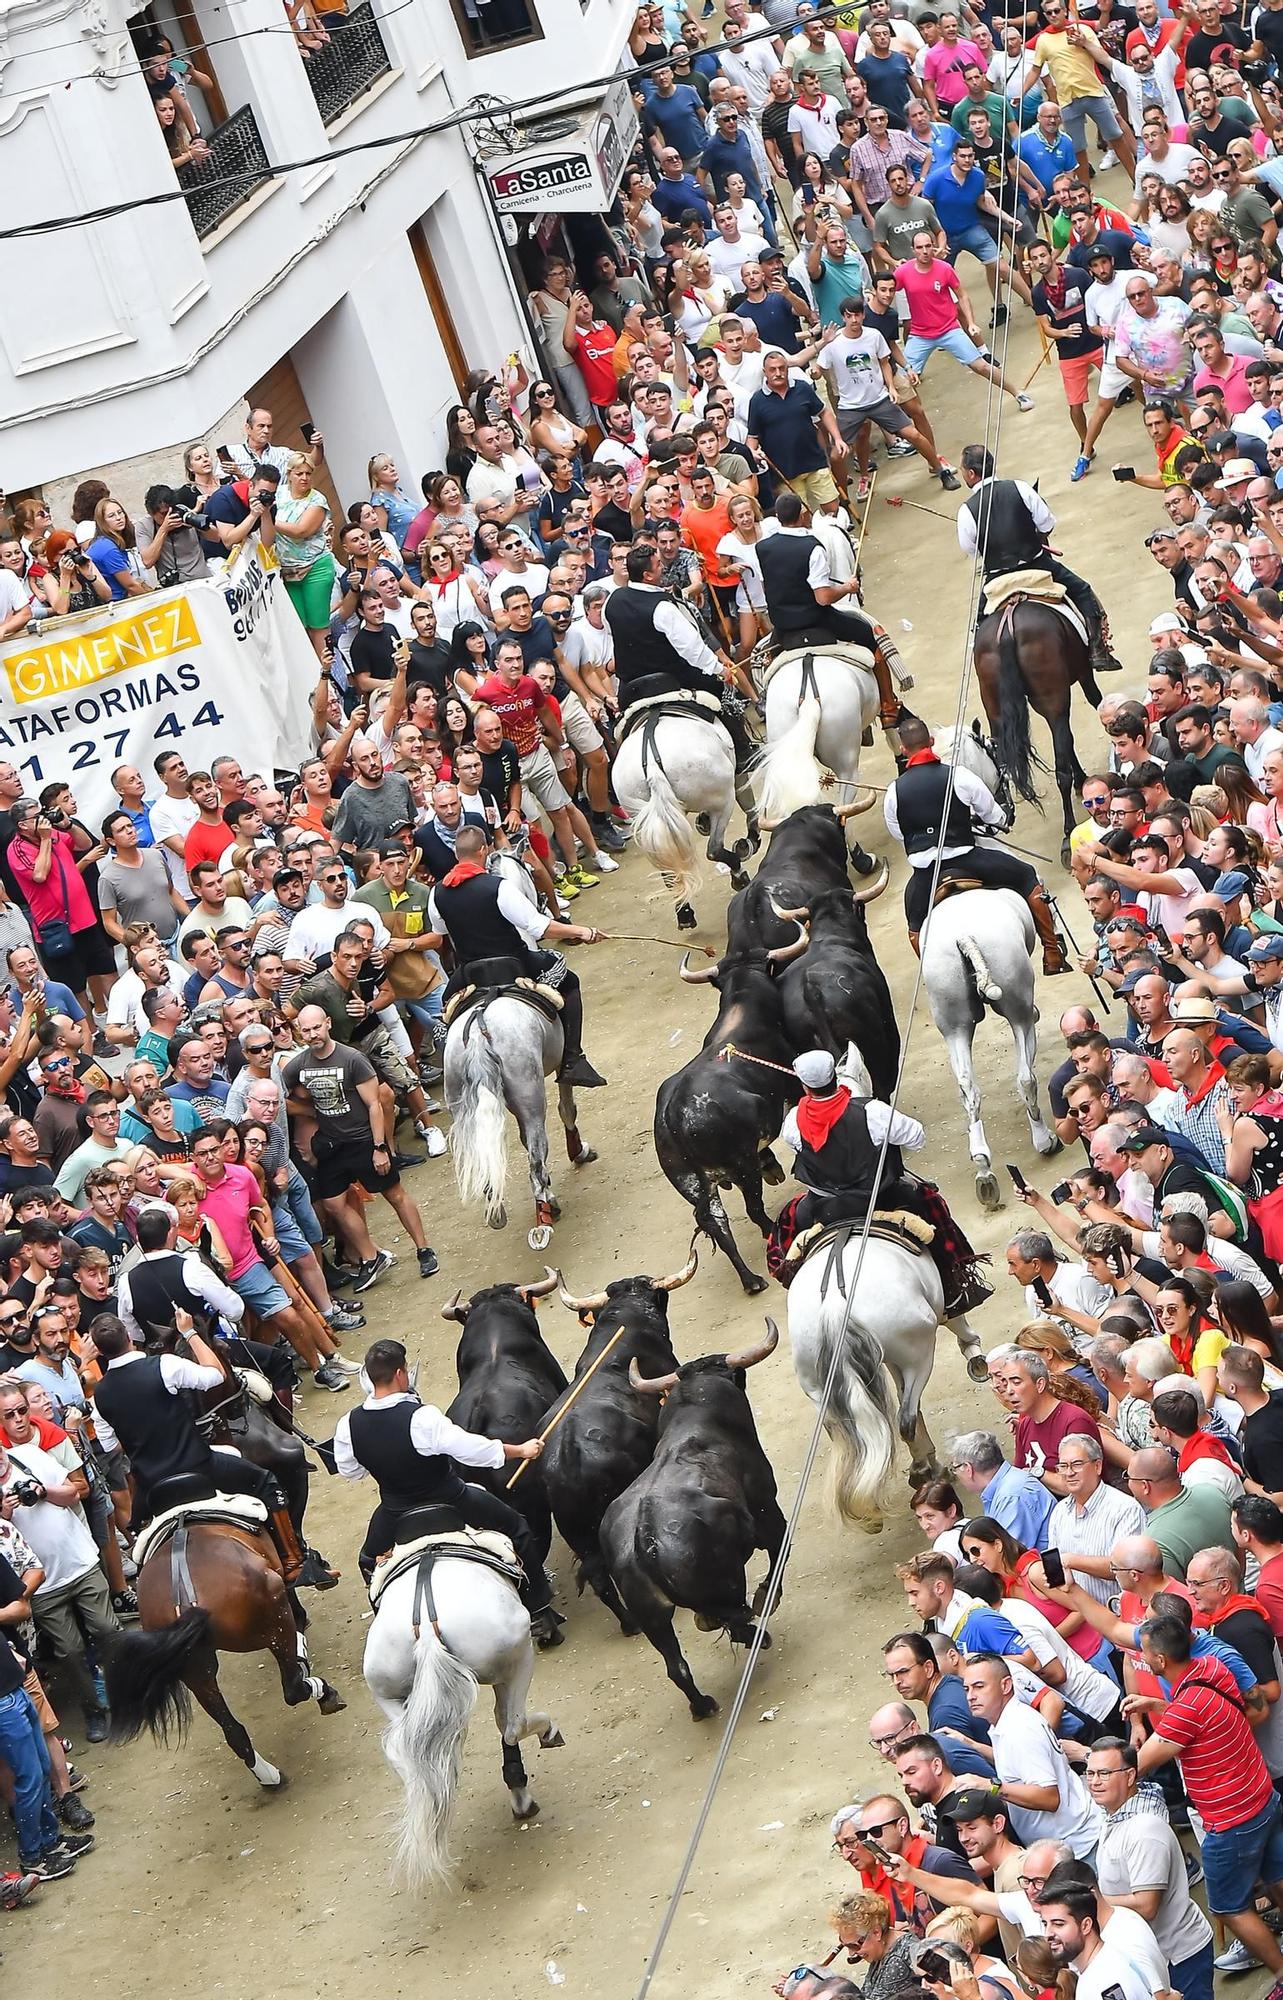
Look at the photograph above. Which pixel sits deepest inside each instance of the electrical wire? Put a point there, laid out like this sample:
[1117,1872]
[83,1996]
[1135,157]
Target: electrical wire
[180,51]
[992,428]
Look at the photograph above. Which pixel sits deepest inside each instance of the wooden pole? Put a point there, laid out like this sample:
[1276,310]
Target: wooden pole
[571,1399]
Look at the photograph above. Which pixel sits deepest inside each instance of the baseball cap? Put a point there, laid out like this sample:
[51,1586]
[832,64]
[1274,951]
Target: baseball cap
[401,826]
[1263,948]
[1232,883]
[1134,978]
[1172,623]
[1238,469]
[815,1069]
[972,1802]
[392,850]
[1194,1007]
[1141,1137]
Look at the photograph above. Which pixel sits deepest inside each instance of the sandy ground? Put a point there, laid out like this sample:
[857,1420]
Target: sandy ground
[202,1884]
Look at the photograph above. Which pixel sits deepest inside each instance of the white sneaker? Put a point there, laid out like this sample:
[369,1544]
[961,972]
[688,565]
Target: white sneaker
[1108,159]
[1236,1958]
[435,1141]
[603,864]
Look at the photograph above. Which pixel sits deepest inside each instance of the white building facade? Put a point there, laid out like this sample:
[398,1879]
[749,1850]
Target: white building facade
[354,293]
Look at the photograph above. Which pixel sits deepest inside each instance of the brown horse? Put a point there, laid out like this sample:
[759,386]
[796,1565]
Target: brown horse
[215,1588]
[1028,656]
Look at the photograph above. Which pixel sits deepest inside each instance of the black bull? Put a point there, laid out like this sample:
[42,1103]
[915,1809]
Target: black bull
[507,1379]
[806,854]
[684,1531]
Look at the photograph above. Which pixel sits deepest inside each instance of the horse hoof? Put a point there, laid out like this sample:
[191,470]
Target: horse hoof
[739,880]
[331,1702]
[686,918]
[988,1193]
[766,1641]
[743,848]
[1050,1151]
[1064,853]
[586,1157]
[753,1284]
[553,1636]
[872,1524]
[703,824]
[977,1368]
[528,1811]
[540,1236]
[702,1707]
[499,1220]
[554,1740]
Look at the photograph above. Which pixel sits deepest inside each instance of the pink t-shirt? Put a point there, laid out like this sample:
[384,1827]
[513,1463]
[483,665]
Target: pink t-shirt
[228,1204]
[62,893]
[931,296]
[1233,386]
[943,67]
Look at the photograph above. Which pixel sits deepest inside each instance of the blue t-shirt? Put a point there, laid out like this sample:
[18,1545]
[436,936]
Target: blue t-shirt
[61,1000]
[732,156]
[134,1129]
[774,318]
[672,197]
[112,563]
[955,202]
[1045,161]
[986,1631]
[784,426]
[679,119]
[887,78]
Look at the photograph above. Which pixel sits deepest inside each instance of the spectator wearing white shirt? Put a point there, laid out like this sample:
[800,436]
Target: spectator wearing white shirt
[1255,734]
[1047,1799]
[731,249]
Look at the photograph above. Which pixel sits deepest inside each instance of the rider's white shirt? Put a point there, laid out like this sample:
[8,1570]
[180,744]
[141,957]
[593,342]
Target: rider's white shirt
[975,795]
[431,1433]
[880,1118]
[1043,518]
[513,907]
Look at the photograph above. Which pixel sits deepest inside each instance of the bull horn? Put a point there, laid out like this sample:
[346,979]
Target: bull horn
[872,890]
[682,1277]
[654,1385]
[454,1310]
[541,1291]
[768,825]
[575,1305]
[802,916]
[748,1357]
[863,799]
[698,978]
[782,953]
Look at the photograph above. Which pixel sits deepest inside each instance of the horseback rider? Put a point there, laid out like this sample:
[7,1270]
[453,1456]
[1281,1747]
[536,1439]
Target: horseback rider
[930,819]
[802,599]
[410,1450]
[486,917]
[659,651]
[143,1398]
[1009,522]
[837,1139]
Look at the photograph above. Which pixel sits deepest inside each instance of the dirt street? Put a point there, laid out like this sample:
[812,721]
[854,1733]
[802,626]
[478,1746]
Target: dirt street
[204,1885]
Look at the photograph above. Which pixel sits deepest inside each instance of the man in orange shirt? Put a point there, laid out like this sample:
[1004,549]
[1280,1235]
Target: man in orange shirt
[318,791]
[703,523]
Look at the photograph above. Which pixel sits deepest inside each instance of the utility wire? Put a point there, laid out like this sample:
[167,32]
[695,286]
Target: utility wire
[99,72]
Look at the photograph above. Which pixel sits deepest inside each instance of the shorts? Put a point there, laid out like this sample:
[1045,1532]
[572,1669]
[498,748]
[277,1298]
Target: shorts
[39,1700]
[345,1165]
[310,593]
[1235,1860]
[582,733]
[885,413]
[1075,113]
[97,952]
[260,1291]
[813,488]
[978,241]
[540,773]
[1112,382]
[288,1234]
[390,1066]
[919,348]
[113,1469]
[1075,371]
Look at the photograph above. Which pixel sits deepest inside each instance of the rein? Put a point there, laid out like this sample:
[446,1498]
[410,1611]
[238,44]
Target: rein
[728,1049]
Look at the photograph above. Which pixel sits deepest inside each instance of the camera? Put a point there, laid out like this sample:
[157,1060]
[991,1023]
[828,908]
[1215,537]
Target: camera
[27,1492]
[191,517]
[57,818]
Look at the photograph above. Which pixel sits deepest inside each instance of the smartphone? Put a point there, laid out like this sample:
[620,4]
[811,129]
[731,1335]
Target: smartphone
[1061,1193]
[309,432]
[1018,1180]
[875,1847]
[1122,473]
[933,1965]
[1053,1568]
[224,456]
[1043,1293]
[809,196]
[1116,1261]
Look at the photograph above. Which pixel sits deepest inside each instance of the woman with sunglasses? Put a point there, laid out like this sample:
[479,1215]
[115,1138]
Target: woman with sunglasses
[456,595]
[986,1543]
[869,1936]
[1184,1325]
[549,431]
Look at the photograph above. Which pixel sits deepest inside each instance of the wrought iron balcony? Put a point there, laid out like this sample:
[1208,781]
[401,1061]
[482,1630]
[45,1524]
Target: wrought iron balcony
[236,165]
[352,59]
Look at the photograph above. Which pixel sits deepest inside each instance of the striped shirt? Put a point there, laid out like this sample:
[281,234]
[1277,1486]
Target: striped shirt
[1224,1772]
[1197,1120]
[1092,1530]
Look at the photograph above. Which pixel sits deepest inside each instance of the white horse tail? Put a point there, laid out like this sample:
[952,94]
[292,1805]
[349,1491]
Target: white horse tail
[479,1141]
[425,1746]
[860,1419]
[789,770]
[986,985]
[662,832]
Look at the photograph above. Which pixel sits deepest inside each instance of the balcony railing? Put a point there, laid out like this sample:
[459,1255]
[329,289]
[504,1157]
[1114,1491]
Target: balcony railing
[352,59]
[236,165]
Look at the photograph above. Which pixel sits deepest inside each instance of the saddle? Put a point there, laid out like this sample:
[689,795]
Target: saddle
[953,885]
[1011,589]
[236,1510]
[858,658]
[478,1545]
[679,703]
[889,1225]
[502,978]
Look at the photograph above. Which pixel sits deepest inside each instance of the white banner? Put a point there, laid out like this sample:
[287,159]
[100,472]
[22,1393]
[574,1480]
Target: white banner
[216,668]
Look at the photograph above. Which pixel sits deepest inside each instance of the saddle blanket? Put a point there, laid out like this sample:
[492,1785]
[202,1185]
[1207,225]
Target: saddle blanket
[484,1545]
[676,702]
[858,658]
[1036,583]
[544,999]
[241,1510]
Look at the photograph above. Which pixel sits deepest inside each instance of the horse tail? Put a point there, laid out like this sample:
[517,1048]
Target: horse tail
[860,1418]
[479,1142]
[788,769]
[662,832]
[974,959]
[1016,753]
[425,1747]
[144,1676]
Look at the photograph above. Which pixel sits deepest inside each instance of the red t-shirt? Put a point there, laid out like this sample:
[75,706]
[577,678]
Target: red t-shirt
[1038,1441]
[595,348]
[206,843]
[1224,1772]
[932,297]
[1269,1593]
[517,707]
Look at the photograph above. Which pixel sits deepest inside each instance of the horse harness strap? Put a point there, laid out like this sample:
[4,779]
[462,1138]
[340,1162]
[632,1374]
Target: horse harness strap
[180,1571]
[425,1606]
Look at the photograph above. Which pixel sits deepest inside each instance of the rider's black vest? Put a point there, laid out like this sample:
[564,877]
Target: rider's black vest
[920,794]
[1007,536]
[639,649]
[405,1478]
[478,929]
[157,1286]
[157,1429]
[848,1160]
[786,561]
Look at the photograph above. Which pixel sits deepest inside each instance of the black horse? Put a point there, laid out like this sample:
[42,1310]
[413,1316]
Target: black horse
[1028,656]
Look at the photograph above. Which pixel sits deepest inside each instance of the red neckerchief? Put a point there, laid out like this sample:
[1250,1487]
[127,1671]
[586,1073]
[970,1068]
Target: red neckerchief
[1204,1621]
[921,757]
[1203,1446]
[816,1116]
[443,582]
[1182,1346]
[1054,287]
[463,871]
[897,1893]
[1215,1075]
[74,1090]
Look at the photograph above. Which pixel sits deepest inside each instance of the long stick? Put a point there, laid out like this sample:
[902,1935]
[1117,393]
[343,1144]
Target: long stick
[575,1393]
[894,500]
[674,944]
[1102,993]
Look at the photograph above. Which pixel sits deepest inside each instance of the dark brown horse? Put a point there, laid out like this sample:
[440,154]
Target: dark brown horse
[1028,656]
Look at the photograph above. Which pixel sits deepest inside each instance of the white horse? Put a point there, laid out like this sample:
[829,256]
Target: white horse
[667,768]
[819,704]
[427,1688]
[977,952]
[497,1054]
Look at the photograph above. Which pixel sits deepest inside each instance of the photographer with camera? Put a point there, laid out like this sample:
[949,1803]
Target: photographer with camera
[244,509]
[175,551]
